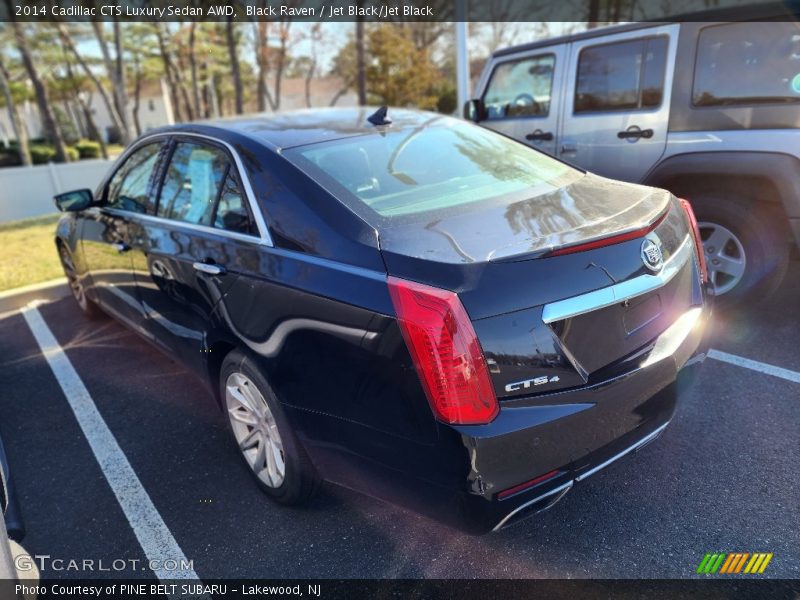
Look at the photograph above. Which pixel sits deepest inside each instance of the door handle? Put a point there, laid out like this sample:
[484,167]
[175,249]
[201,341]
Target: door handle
[633,132]
[209,268]
[121,247]
[569,147]
[540,136]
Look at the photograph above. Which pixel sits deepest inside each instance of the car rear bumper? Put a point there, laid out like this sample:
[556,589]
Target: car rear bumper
[576,433]
[545,500]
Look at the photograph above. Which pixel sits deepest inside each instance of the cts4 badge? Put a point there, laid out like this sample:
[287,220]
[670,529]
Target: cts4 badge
[523,385]
[651,255]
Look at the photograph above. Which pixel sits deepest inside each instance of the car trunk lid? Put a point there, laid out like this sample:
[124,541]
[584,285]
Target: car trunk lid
[548,320]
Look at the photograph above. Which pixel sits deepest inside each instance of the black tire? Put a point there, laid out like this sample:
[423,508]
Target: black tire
[760,233]
[89,309]
[300,480]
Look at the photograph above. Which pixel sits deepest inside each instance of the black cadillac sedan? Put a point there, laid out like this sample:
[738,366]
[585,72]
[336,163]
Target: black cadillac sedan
[405,304]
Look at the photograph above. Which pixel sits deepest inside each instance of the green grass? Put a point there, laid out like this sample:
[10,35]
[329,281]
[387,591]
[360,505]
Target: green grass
[29,252]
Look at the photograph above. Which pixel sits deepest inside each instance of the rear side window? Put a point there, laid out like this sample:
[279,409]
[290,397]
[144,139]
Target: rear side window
[231,213]
[130,186]
[520,88]
[621,76]
[747,63]
[192,183]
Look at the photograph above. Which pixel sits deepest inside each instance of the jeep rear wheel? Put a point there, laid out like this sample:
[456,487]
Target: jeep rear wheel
[745,247]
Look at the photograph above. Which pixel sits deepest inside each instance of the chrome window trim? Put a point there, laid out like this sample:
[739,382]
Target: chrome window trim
[619,292]
[263,236]
[253,239]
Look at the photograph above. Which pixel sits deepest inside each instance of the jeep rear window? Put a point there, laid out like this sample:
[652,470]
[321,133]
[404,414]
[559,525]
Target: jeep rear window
[747,63]
[446,164]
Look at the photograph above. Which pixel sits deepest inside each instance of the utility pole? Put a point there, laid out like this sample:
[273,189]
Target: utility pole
[462,55]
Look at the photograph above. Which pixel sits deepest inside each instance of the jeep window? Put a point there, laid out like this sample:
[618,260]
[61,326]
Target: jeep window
[747,63]
[520,88]
[621,76]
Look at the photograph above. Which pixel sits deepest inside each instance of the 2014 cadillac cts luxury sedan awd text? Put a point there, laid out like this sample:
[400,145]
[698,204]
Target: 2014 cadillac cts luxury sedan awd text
[422,310]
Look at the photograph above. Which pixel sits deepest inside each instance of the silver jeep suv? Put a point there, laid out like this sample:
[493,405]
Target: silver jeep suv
[707,110]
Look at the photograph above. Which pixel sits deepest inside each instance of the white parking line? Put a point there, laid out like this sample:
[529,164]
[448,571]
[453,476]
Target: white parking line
[154,536]
[755,365]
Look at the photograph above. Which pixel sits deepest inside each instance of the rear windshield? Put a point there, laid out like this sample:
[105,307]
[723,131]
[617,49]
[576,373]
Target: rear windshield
[446,165]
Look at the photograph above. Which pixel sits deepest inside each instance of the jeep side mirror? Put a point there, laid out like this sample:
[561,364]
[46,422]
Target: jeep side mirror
[473,110]
[74,201]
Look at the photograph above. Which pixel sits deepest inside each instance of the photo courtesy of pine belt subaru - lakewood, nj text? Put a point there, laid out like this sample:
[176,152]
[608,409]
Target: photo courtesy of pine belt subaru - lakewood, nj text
[403,303]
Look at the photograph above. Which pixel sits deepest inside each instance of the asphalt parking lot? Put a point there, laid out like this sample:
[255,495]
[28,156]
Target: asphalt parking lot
[721,478]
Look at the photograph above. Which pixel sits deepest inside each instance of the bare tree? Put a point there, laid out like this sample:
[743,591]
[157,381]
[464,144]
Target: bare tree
[13,116]
[46,111]
[169,70]
[92,132]
[272,60]
[280,62]
[67,41]
[361,68]
[316,33]
[236,72]
[262,62]
[193,68]
[116,75]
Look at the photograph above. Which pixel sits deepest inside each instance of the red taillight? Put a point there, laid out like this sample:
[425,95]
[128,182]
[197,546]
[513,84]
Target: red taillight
[698,243]
[446,353]
[609,241]
[527,485]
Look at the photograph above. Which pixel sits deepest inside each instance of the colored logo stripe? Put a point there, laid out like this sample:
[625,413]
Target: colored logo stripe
[734,562]
[711,563]
[758,563]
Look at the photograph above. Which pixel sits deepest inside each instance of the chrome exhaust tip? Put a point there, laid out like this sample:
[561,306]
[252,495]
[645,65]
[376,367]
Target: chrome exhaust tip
[534,507]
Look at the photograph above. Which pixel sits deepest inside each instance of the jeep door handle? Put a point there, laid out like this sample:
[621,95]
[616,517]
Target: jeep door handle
[634,132]
[120,247]
[209,268]
[569,147]
[540,136]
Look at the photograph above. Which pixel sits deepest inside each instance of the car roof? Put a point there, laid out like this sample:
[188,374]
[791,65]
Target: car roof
[298,128]
[754,12]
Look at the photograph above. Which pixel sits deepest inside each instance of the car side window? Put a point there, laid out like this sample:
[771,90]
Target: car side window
[621,76]
[192,183]
[231,213]
[130,186]
[747,63]
[520,88]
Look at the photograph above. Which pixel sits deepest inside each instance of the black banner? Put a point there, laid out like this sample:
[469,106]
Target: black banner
[233,589]
[394,10]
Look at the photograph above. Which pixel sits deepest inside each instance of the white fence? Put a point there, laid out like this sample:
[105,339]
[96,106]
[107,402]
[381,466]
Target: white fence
[28,191]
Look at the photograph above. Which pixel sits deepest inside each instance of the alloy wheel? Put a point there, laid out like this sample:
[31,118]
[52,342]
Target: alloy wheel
[255,429]
[73,280]
[725,256]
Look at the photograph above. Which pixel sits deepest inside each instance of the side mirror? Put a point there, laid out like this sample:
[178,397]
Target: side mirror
[74,201]
[473,110]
